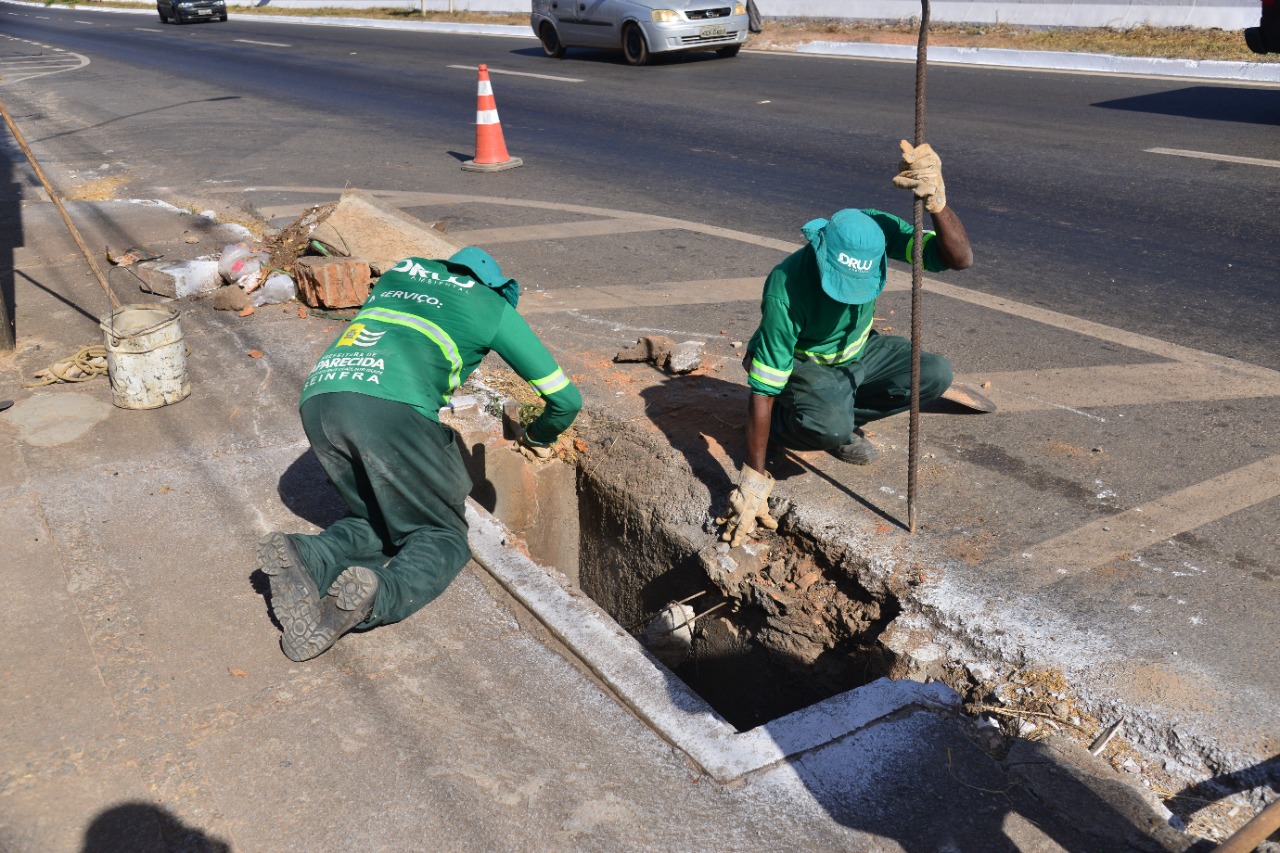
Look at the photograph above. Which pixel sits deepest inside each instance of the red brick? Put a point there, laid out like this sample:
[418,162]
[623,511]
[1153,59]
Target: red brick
[332,282]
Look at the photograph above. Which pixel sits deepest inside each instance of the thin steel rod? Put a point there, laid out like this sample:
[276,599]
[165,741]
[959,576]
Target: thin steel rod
[917,278]
[57,202]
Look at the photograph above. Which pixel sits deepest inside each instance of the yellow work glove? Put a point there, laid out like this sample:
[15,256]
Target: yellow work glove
[921,172]
[748,506]
[533,452]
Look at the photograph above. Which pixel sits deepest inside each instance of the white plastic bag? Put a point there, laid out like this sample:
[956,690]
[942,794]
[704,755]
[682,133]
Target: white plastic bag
[239,261]
[277,288]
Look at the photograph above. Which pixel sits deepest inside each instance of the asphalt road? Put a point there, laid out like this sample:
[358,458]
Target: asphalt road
[1065,205]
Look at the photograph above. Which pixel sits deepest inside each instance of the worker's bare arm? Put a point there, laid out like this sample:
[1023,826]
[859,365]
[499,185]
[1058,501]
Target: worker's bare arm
[759,412]
[953,241]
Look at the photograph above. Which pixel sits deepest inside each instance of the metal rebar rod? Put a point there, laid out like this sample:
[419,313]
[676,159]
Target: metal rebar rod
[57,202]
[917,278]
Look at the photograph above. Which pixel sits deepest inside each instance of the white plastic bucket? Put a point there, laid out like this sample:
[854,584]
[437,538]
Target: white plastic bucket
[146,356]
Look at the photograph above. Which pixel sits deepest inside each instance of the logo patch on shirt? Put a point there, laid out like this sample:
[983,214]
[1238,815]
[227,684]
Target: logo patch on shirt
[421,273]
[359,336]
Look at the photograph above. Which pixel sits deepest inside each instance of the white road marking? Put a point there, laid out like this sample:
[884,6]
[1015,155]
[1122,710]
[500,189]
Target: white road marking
[1102,541]
[521,74]
[147,30]
[263,43]
[90,23]
[1225,158]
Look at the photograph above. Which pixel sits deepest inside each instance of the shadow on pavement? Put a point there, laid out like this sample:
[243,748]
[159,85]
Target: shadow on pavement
[1215,103]
[144,828]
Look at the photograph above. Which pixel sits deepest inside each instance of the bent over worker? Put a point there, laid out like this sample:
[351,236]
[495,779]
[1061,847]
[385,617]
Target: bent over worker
[816,369]
[370,410]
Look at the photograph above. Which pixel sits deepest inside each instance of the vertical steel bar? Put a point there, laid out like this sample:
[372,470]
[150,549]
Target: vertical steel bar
[917,275]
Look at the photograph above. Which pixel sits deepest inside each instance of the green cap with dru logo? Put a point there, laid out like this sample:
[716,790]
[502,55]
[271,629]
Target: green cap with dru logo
[486,271]
[850,249]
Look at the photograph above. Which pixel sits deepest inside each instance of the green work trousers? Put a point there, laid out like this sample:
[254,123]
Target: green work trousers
[822,405]
[405,484]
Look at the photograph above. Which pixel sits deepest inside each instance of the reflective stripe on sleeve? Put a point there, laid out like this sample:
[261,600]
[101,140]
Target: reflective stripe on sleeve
[928,235]
[437,335]
[766,375]
[551,383]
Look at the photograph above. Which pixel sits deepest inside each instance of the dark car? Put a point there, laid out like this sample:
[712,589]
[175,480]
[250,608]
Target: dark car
[182,11]
[1265,38]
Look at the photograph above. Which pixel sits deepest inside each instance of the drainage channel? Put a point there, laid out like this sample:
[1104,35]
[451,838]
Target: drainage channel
[781,655]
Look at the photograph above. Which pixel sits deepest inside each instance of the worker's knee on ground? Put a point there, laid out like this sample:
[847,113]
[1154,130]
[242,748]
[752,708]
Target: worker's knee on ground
[825,430]
[935,376]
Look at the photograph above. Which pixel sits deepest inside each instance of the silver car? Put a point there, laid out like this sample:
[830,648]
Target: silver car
[640,28]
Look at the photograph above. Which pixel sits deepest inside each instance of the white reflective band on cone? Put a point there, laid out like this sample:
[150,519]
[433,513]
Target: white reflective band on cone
[486,88]
[486,116]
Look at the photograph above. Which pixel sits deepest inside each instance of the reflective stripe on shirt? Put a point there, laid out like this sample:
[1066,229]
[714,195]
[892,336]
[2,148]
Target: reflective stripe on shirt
[766,375]
[437,335]
[551,383]
[847,354]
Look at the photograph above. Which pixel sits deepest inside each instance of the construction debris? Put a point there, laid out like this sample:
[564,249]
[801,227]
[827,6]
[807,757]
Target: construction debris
[327,282]
[361,226]
[664,353]
[669,635]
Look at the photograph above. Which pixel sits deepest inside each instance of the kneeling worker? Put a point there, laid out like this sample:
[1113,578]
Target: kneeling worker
[816,369]
[370,410]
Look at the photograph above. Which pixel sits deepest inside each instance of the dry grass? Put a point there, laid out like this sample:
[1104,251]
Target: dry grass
[1167,42]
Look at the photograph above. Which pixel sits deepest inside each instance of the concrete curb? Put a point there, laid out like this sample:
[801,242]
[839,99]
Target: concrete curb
[1253,72]
[661,699]
[1095,63]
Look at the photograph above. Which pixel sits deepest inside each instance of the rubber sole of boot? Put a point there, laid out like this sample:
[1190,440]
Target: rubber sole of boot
[295,600]
[349,601]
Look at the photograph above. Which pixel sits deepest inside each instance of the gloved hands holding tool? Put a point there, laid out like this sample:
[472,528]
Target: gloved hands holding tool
[921,172]
[748,506]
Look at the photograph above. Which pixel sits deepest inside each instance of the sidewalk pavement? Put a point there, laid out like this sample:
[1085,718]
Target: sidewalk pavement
[147,707]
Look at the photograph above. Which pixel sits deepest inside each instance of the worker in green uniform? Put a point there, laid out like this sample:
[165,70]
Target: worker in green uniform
[370,410]
[816,369]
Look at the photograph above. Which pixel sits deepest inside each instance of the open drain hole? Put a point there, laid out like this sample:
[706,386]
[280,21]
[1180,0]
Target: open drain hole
[780,623]
[783,628]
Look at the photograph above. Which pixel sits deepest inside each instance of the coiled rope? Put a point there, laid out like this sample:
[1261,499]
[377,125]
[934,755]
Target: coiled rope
[81,367]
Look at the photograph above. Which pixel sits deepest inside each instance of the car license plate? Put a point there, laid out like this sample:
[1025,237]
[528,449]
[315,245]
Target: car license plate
[714,31]
[204,11]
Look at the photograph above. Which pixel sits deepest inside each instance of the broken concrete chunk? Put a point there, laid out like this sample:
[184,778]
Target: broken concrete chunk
[366,227]
[685,357]
[663,352]
[177,279]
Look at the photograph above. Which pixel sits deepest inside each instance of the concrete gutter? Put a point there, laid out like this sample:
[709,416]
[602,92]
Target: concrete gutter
[660,698]
[1094,63]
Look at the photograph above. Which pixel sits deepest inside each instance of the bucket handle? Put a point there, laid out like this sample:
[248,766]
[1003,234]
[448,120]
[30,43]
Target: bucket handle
[115,339]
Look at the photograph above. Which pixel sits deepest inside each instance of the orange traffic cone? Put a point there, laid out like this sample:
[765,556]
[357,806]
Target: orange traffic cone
[491,150]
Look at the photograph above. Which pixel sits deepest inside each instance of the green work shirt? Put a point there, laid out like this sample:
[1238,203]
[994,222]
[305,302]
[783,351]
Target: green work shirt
[798,320]
[423,330]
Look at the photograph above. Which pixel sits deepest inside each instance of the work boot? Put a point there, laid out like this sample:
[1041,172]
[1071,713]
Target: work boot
[348,603]
[859,451]
[294,598]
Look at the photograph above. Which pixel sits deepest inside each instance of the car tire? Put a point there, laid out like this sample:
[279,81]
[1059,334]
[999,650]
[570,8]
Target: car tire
[177,17]
[634,48]
[730,51]
[164,19]
[551,44]
[223,18]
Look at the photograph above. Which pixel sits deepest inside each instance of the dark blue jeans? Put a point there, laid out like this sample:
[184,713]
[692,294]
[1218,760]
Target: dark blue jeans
[405,484]
[822,406]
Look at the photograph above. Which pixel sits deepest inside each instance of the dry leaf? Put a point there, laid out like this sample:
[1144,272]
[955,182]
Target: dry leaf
[255,353]
[248,309]
[580,445]
[238,673]
[302,312]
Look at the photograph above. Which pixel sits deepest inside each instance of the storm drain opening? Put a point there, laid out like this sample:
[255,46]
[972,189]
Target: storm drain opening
[757,631]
